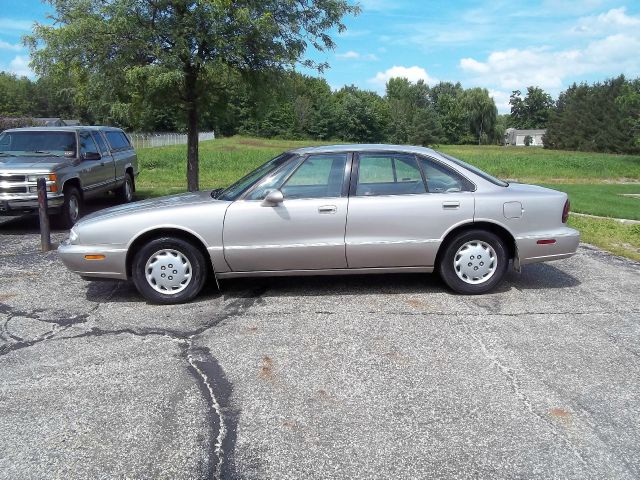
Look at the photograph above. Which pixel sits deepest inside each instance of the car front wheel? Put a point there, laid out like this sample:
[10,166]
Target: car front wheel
[169,270]
[474,262]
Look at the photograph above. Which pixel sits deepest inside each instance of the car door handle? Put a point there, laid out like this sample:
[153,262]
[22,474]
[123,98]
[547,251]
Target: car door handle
[450,205]
[327,209]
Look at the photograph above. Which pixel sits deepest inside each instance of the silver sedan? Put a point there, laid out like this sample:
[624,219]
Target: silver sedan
[344,209]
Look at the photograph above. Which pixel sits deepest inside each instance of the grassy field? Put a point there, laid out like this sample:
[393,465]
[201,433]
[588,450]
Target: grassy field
[595,182]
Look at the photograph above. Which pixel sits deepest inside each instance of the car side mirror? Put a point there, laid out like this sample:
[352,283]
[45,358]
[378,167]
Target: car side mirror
[273,199]
[91,156]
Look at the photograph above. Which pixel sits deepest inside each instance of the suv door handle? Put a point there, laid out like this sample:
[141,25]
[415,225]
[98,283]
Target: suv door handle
[327,209]
[450,205]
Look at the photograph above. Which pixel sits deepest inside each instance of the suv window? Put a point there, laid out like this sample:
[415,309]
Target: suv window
[117,140]
[87,144]
[319,176]
[388,174]
[441,179]
[23,142]
[102,145]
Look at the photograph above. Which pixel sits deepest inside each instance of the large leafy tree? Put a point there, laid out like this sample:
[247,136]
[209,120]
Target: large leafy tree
[177,46]
[481,112]
[533,110]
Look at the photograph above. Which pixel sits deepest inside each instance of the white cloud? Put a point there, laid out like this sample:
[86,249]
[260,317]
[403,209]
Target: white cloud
[615,20]
[352,55]
[10,46]
[547,68]
[15,25]
[413,74]
[19,66]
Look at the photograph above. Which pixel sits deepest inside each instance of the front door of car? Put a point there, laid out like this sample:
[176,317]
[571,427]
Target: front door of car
[394,220]
[304,231]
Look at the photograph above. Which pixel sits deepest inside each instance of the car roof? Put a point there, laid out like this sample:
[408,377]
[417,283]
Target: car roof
[364,147]
[63,129]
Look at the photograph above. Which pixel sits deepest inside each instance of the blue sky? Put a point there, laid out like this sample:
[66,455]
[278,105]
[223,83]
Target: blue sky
[499,45]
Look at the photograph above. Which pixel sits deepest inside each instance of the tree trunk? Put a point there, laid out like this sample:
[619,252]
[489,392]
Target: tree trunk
[193,181]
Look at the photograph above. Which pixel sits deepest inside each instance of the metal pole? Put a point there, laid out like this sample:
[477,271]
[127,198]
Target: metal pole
[45,231]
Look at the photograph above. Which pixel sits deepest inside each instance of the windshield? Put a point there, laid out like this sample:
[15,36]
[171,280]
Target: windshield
[37,142]
[234,191]
[476,170]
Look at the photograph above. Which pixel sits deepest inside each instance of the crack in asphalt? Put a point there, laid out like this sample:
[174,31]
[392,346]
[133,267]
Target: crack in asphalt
[509,374]
[209,375]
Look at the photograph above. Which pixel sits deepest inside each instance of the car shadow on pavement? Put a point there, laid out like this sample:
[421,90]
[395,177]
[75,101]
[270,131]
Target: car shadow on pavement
[533,277]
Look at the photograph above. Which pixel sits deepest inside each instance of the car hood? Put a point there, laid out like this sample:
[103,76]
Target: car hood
[36,163]
[168,202]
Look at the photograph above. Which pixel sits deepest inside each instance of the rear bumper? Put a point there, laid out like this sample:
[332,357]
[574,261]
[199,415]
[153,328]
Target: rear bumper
[565,244]
[112,266]
[19,205]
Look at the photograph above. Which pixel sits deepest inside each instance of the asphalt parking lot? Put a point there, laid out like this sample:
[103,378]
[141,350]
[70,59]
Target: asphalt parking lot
[334,377]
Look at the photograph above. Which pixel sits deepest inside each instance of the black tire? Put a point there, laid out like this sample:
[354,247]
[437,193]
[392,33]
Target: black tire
[124,192]
[448,270]
[71,208]
[198,270]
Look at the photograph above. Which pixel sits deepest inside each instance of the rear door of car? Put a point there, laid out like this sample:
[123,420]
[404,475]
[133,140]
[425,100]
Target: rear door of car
[400,207]
[305,231]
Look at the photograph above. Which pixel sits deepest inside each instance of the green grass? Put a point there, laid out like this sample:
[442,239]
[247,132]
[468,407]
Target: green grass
[609,235]
[605,200]
[222,162]
[592,180]
[538,165]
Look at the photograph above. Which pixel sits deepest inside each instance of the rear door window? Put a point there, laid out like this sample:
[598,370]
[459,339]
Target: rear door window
[117,140]
[388,174]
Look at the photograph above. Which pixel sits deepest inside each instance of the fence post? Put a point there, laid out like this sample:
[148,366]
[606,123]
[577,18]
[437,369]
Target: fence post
[45,231]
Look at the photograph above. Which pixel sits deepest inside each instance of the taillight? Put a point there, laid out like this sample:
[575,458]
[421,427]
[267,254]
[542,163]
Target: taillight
[565,211]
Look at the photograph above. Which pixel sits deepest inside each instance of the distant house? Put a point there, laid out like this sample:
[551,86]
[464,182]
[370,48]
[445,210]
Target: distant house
[517,138]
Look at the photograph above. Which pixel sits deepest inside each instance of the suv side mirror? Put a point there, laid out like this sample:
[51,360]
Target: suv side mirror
[273,199]
[91,156]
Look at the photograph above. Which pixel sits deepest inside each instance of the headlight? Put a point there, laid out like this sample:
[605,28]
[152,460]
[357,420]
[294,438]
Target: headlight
[73,235]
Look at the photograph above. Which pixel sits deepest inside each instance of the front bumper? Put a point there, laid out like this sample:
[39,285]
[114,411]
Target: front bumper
[114,264]
[17,205]
[530,251]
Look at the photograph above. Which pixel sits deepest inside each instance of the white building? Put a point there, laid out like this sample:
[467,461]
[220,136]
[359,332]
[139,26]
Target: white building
[518,138]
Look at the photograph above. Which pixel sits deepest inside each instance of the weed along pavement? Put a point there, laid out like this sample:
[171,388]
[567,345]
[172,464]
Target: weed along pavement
[332,377]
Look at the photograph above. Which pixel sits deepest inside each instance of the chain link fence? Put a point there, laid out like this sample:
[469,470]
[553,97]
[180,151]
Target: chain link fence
[148,140]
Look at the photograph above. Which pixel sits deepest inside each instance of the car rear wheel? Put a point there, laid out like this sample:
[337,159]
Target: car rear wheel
[71,208]
[169,270]
[125,191]
[474,262]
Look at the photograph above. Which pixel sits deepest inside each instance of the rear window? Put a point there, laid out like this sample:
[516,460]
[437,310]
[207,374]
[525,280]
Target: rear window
[476,170]
[117,140]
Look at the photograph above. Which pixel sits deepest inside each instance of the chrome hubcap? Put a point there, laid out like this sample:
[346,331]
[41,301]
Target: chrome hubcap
[475,262]
[74,208]
[168,271]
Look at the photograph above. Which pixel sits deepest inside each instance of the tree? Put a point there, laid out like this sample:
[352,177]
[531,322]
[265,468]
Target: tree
[178,43]
[481,112]
[533,111]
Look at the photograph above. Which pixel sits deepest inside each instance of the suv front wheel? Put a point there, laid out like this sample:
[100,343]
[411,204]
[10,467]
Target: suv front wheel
[71,208]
